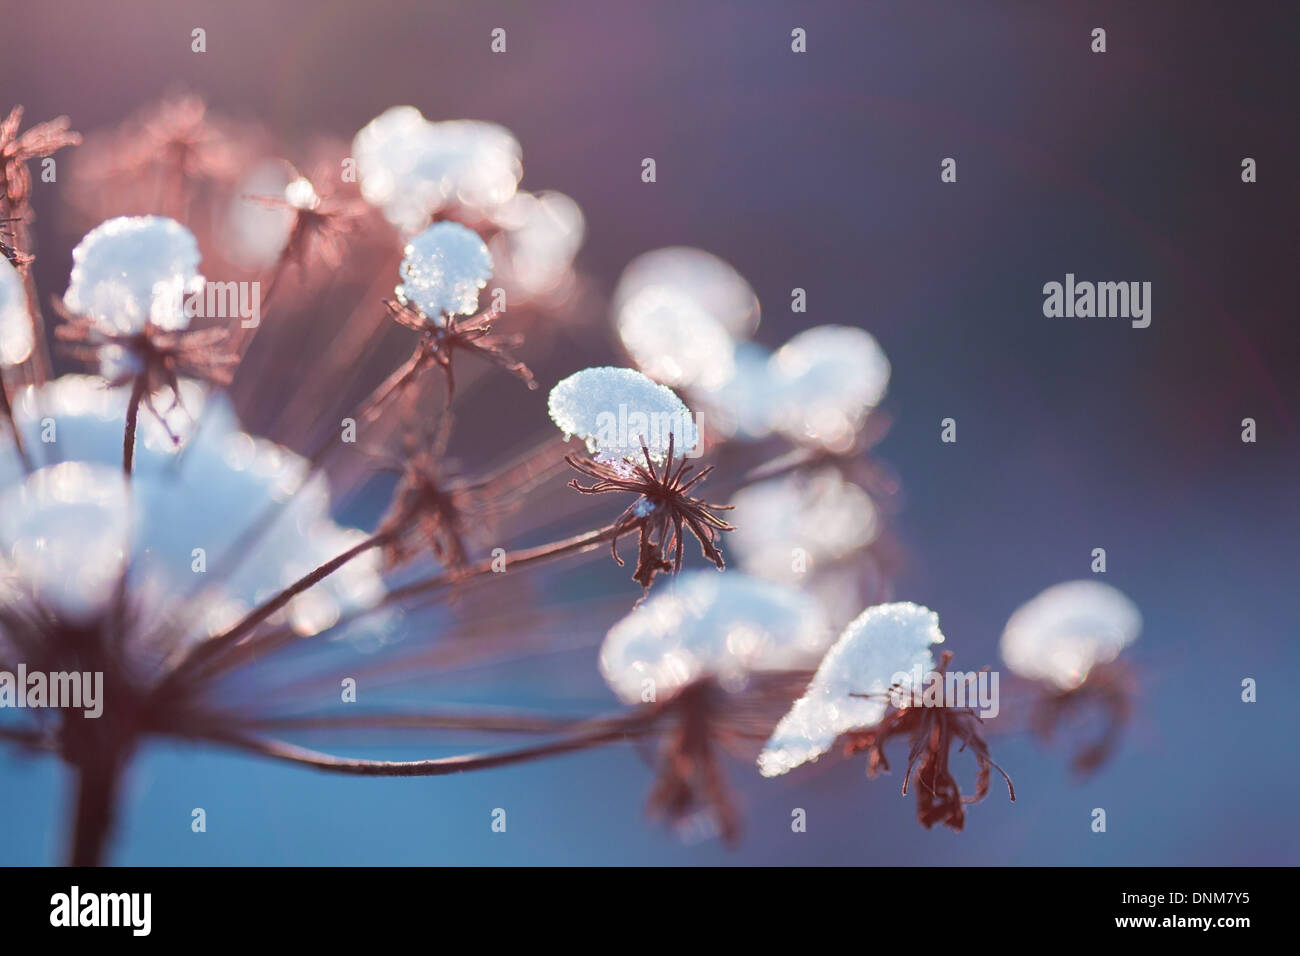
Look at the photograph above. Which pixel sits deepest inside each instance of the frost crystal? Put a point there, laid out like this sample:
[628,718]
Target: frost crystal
[132,270]
[615,410]
[412,168]
[1061,634]
[15,326]
[711,285]
[820,513]
[876,650]
[709,624]
[64,532]
[444,268]
[225,481]
[825,381]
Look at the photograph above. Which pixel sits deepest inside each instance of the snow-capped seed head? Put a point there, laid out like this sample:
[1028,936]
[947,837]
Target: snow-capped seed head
[673,339]
[226,480]
[301,194]
[712,285]
[481,162]
[65,534]
[617,410]
[826,380]
[875,650]
[411,168]
[820,514]
[134,270]
[707,624]
[541,235]
[16,340]
[444,269]
[259,230]
[1061,634]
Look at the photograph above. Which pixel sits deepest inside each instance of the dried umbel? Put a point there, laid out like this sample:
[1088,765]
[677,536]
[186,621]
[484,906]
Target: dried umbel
[715,658]
[1068,640]
[865,692]
[17,149]
[664,507]
[932,731]
[216,590]
[320,221]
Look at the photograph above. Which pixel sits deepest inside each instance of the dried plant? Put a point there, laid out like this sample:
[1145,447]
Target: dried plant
[206,566]
[932,731]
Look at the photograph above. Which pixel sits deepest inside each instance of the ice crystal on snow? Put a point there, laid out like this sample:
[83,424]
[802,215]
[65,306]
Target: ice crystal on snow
[1061,634]
[710,624]
[883,643]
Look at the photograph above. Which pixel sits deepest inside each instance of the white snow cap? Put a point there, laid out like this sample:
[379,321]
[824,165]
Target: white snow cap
[821,513]
[712,286]
[132,270]
[65,534]
[884,642]
[615,409]
[673,340]
[226,481]
[709,623]
[818,388]
[826,380]
[679,313]
[540,236]
[444,268]
[411,168]
[16,340]
[1061,634]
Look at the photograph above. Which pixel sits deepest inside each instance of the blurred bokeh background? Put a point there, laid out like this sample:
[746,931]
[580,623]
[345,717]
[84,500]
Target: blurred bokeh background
[822,171]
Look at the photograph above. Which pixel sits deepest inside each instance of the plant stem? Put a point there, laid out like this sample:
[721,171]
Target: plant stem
[490,722]
[256,647]
[132,418]
[253,618]
[606,731]
[98,783]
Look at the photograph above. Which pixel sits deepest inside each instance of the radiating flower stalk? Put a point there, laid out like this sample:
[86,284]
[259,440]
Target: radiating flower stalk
[704,663]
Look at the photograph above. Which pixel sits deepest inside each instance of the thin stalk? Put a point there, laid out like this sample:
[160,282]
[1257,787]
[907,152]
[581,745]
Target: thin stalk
[252,535]
[258,647]
[266,609]
[632,726]
[99,780]
[132,419]
[503,722]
